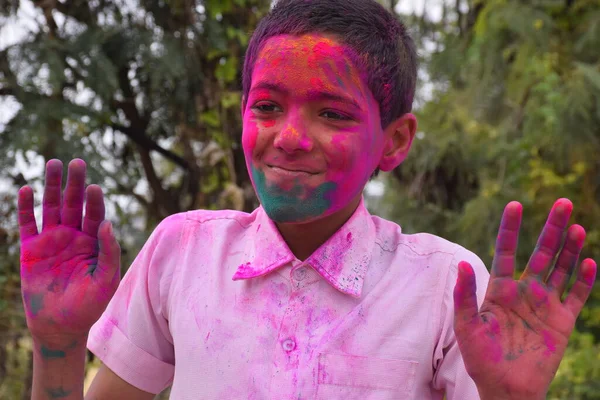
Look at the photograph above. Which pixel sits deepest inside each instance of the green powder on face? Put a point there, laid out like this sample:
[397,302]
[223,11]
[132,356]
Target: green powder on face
[289,205]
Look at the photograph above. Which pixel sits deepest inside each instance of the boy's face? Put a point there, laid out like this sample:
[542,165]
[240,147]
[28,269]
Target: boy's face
[312,135]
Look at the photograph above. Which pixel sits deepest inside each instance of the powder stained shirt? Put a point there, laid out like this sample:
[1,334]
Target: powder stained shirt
[217,306]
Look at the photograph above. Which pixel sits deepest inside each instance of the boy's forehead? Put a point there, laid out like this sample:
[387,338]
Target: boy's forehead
[310,42]
[310,52]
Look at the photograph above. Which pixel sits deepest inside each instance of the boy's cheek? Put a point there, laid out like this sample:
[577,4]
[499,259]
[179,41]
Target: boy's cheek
[249,136]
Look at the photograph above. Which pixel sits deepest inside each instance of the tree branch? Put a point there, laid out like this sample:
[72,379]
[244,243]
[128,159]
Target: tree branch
[140,138]
[520,114]
[137,131]
[78,10]
[9,75]
[47,6]
[129,191]
[167,205]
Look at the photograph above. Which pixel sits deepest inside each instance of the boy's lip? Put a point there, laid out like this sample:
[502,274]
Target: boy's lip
[294,167]
[281,173]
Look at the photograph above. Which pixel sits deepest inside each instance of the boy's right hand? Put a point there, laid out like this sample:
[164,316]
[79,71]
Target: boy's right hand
[71,269]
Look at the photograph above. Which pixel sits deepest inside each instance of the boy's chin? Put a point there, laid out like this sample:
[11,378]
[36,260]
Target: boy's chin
[294,215]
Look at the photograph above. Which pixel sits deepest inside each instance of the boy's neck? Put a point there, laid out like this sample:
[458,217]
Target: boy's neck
[305,239]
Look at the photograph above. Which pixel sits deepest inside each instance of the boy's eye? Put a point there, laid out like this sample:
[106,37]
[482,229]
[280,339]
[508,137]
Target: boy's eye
[265,107]
[336,116]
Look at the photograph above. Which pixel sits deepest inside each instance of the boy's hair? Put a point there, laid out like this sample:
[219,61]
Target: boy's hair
[381,41]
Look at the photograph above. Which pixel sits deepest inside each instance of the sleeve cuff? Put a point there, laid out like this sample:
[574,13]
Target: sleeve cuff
[128,361]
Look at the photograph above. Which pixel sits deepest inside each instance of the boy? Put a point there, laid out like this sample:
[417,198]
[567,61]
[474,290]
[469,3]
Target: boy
[308,297]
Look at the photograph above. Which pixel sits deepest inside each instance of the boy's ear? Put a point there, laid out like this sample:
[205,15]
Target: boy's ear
[398,139]
[243,106]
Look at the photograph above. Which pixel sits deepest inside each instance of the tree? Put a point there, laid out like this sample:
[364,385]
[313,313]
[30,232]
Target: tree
[148,96]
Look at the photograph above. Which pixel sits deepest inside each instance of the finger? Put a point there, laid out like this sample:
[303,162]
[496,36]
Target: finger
[549,241]
[26,219]
[94,210]
[503,264]
[109,256]
[74,194]
[466,310]
[51,201]
[582,287]
[567,260]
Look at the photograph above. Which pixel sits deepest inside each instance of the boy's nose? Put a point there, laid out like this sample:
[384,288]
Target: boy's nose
[292,139]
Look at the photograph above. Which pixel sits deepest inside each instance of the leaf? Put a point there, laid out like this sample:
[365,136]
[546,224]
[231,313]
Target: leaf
[590,72]
[231,99]
[210,118]
[227,71]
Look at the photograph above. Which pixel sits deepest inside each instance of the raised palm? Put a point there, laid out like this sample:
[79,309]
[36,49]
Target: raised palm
[69,270]
[513,344]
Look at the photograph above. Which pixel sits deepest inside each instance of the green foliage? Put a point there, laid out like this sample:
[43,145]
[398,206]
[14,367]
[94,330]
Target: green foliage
[579,373]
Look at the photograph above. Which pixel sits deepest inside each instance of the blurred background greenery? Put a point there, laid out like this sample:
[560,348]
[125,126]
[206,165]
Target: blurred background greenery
[148,93]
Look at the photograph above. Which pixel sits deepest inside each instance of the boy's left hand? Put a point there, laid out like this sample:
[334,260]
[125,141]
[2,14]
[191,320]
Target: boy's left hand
[513,345]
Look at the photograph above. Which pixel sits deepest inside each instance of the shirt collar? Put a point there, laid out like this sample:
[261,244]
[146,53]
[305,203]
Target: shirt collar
[342,260]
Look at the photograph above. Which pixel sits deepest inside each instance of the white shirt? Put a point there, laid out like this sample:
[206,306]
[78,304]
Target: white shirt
[218,306]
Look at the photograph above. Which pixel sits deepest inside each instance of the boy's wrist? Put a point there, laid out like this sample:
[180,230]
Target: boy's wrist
[60,341]
[59,367]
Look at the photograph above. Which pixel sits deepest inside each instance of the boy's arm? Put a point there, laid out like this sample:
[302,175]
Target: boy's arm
[108,385]
[59,372]
[58,369]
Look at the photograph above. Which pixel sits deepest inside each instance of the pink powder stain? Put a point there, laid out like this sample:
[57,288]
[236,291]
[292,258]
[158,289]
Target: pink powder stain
[129,286]
[28,259]
[317,318]
[349,236]
[496,353]
[244,271]
[106,330]
[493,337]
[317,83]
[549,342]
[538,262]
[272,298]
[539,293]
[495,328]
[336,251]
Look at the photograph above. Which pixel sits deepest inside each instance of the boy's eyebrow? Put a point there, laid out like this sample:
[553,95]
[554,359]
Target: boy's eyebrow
[312,94]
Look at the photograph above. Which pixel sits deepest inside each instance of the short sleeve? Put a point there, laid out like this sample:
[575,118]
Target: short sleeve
[450,373]
[132,336]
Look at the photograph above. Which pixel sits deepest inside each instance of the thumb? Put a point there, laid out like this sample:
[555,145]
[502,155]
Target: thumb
[109,255]
[465,298]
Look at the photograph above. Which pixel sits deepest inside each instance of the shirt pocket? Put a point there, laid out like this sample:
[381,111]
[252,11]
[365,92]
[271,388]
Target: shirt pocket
[364,378]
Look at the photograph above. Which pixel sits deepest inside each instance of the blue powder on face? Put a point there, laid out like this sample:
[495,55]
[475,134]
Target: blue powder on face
[290,205]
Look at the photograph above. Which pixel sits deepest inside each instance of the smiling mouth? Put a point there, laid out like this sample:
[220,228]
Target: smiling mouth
[290,171]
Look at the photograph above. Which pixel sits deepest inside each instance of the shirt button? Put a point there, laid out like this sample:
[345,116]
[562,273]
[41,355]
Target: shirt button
[300,274]
[288,345]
